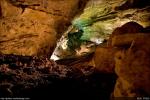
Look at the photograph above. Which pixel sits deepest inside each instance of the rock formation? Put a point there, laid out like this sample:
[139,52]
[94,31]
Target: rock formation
[127,54]
[30,27]
[132,67]
[31,77]
[29,30]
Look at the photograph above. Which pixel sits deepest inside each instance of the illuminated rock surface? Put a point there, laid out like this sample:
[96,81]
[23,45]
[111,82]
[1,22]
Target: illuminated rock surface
[97,22]
[132,62]
[32,27]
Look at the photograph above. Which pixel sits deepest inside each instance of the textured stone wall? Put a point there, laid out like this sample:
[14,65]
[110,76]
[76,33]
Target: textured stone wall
[31,27]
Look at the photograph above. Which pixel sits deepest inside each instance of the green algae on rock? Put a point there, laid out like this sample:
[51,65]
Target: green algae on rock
[97,22]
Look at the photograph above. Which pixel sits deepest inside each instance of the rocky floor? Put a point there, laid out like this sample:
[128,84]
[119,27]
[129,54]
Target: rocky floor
[31,77]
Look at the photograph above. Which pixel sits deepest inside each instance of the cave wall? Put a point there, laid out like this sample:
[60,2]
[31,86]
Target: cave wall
[31,27]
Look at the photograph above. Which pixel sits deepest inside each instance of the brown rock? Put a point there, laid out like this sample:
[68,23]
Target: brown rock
[132,4]
[104,59]
[8,10]
[65,8]
[32,33]
[121,36]
[127,39]
[132,67]
[130,27]
[0,11]
[30,27]
[123,89]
